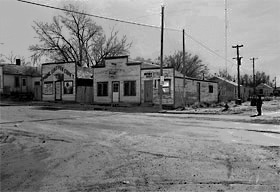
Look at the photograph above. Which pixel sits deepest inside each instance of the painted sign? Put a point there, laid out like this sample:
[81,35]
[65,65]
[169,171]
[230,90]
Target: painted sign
[61,68]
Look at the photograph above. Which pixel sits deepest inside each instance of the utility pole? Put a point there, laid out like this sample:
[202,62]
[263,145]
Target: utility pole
[275,84]
[254,76]
[226,28]
[184,65]
[161,59]
[238,70]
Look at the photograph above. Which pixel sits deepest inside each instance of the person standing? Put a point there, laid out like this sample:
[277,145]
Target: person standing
[259,105]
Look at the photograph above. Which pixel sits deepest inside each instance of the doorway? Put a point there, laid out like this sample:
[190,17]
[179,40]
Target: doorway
[116,91]
[58,91]
[148,91]
[198,92]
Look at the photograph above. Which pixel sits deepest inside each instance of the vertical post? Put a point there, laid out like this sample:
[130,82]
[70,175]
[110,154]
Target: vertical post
[238,76]
[226,26]
[238,64]
[254,76]
[184,65]
[161,58]
[275,85]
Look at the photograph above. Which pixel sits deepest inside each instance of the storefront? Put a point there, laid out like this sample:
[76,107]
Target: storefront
[59,81]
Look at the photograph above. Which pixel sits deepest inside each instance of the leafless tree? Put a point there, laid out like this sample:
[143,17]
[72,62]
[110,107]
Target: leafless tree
[76,37]
[193,66]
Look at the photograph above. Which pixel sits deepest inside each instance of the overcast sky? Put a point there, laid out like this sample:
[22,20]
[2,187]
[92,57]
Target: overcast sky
[253,23]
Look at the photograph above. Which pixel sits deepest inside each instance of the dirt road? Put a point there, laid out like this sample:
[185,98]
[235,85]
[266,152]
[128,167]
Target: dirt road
[49,149]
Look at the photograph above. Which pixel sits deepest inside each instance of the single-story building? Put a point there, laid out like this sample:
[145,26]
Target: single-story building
[117,81]
[17,79]
[65,81]
[264,90]
[177,89]
[122,81]
[228,90]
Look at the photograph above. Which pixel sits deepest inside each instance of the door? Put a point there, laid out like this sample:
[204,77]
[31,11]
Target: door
[23,84]
[58,92]
[198,92]
[116,91]
[148,91]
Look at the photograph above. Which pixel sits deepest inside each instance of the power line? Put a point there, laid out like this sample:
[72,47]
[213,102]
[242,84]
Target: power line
[127,22]
[204,46]
[91,15]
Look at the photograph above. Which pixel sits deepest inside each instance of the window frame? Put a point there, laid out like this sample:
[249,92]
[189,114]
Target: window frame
[71,82]
[131,92]
[102,93]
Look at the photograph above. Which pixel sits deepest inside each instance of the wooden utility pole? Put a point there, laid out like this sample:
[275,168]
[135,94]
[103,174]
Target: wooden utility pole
[254,76]
[184,54]
[184,65]
[238,70]
[226,33]
[161,59]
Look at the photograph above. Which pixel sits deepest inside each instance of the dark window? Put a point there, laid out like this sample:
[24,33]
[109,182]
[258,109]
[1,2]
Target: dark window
[23,82]
[16,81]
[130,88]
[102,89]
[85,82]
[37,83]
[210,88]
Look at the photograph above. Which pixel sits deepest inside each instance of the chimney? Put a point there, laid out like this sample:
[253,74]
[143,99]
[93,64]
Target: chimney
[17,61]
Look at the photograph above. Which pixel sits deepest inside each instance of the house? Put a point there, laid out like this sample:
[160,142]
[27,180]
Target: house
[120,80]
[264,90]
[65,81]
[16,79]
[228,90]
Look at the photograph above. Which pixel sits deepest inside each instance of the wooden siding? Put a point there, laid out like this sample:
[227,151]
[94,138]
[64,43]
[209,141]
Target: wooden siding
[49,72]
[190,93]
[154,74]
[116,69]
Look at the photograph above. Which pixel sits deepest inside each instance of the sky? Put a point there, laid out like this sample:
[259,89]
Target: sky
[252,23]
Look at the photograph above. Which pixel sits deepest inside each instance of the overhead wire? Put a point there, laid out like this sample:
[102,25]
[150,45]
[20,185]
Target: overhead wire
[128,22]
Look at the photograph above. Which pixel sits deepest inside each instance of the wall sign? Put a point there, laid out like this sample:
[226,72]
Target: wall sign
[61,68]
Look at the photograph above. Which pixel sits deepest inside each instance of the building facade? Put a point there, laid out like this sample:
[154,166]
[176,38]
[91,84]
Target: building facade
[117,81]
[66,81]
[17,79]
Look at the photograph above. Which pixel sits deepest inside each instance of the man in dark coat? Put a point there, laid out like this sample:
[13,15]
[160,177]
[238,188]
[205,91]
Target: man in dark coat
[259,105]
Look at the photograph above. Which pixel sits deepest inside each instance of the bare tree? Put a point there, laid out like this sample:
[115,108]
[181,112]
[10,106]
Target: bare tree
[11,59]
[193,66]
[76,37]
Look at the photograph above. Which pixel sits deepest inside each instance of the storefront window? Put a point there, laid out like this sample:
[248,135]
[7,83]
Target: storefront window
[130,88]
[102,89]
